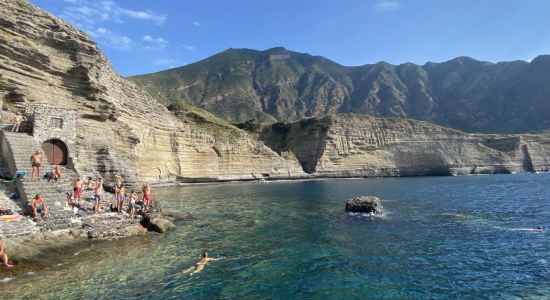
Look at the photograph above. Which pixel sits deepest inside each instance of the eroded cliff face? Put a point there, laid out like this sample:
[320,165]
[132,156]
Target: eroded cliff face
[43,60]
[353,145]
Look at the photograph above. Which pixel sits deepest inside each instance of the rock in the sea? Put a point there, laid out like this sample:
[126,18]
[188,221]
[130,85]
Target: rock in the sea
[364,204]
[157,223]
[173,215]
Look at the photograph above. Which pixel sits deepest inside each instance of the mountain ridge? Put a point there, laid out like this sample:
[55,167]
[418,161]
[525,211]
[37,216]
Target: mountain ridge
[283,85]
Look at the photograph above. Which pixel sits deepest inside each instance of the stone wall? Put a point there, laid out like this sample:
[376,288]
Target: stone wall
[54,123]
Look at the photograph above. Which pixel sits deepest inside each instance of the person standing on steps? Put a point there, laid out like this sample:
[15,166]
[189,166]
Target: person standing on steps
[77,190]
[36,162]
[98,194]
[38,205]
[4,256]
[16,122]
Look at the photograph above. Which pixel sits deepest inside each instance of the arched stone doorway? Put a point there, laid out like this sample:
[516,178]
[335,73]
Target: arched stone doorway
[56,152]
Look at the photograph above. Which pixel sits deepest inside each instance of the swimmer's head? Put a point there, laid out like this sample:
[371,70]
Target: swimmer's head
[205,254]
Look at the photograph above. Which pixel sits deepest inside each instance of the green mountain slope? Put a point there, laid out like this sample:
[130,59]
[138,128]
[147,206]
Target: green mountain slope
[277,84]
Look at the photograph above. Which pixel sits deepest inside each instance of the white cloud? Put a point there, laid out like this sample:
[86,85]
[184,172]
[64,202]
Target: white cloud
[144,15]
[154,43]
[165,62]
[89,12]
[196,23]
[187,47]
[111,39]
[387,5]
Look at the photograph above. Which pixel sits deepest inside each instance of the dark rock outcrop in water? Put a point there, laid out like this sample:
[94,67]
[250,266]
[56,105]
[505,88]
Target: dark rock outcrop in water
[278,84]
[158,224]
[364,204]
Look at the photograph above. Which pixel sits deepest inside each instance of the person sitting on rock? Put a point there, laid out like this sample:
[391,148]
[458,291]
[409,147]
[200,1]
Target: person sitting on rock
[4,256]
[56,173]
[36,162]
[133,199]
[16,122]
[38,205]
[6,211]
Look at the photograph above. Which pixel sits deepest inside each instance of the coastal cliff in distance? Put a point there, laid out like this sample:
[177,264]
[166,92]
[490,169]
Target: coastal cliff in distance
[278,84]
[44,60]
[348,145]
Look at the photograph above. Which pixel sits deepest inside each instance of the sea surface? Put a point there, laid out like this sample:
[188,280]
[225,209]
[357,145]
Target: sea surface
[440,238]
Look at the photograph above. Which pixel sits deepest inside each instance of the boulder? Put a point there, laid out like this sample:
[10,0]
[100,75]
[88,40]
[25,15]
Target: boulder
[157,223]
[364,204]
[173,215]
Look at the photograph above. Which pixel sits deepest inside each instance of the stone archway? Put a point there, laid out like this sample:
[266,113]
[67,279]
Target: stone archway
[56,152]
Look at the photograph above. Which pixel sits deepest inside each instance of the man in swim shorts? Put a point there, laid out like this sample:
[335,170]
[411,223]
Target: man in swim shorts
[38,205]
[36,162]
[120,197]
[77,190]
[16,122]
[98,194]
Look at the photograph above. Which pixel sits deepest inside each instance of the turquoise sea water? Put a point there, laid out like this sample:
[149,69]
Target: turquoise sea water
[440,238]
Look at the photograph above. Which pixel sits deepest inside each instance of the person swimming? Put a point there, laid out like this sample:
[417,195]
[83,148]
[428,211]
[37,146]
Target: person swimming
[199,266]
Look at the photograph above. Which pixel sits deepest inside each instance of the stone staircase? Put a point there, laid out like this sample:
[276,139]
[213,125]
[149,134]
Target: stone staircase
[60,215]
[22,146]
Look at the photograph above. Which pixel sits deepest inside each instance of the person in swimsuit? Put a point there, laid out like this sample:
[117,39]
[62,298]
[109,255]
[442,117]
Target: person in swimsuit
[147,197]
[120,197]
[38,205]
[56,173]
[98,194]
[36,162]
[77,190]
[16,122]
[91,183]
[199,266]
[118,181]
[4,256]
[133,198]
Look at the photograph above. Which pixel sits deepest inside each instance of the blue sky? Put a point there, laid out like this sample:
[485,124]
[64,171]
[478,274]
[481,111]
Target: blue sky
[143,36]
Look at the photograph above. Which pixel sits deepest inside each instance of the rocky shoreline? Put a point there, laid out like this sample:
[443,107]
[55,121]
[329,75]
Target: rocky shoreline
[27,241]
